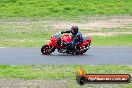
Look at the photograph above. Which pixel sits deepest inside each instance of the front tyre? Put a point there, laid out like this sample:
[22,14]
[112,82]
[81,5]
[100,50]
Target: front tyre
[46,50]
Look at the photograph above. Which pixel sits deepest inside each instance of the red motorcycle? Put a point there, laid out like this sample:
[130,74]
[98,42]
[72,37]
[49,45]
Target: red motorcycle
[62,44]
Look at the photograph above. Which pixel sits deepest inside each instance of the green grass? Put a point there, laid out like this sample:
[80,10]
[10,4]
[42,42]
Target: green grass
[28,33]
[58,71]
[64,73]
[63,8]
[115,40]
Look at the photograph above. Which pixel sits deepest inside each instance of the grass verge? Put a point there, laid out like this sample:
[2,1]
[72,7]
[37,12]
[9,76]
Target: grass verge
[67,73]
[58,75]
[63,8]
[115,40]
[58,71]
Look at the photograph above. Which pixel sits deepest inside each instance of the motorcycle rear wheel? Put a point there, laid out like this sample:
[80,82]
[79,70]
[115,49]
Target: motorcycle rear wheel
[84,51]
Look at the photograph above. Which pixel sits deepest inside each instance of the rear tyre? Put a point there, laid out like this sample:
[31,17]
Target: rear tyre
[73,53]
[46,50]
[84,51]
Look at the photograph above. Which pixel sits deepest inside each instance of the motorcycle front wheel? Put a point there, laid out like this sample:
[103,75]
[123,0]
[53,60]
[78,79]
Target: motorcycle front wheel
[46,50]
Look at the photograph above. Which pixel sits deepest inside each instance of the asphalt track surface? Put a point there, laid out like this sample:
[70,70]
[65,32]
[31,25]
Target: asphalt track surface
[95,55]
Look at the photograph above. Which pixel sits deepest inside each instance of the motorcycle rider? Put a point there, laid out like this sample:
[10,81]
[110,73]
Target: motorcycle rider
[76,37]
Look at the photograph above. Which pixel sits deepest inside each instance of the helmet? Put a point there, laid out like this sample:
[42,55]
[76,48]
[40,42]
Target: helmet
[74,29]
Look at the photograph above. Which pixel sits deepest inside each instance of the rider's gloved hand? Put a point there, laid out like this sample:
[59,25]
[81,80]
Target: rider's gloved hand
[60,32]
